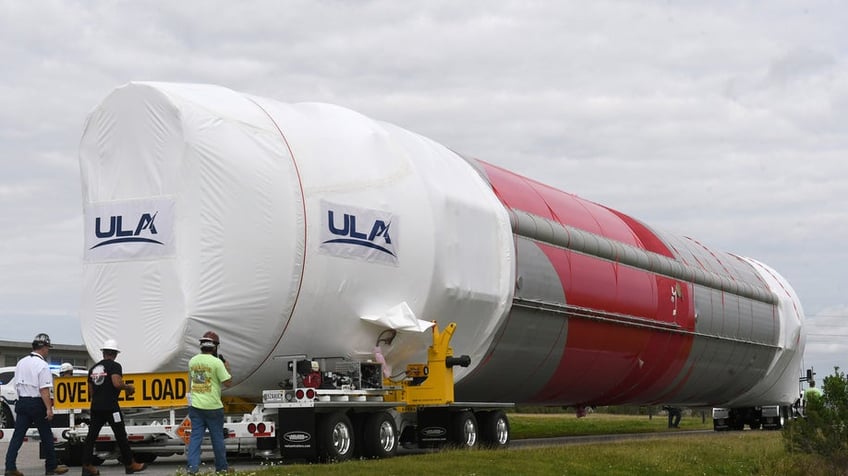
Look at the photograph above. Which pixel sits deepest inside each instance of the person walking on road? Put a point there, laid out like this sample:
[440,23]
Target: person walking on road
[105,383]
[207,373]
[33,383]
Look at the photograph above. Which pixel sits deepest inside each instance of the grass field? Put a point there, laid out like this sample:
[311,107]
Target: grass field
[749,452]
[567,424]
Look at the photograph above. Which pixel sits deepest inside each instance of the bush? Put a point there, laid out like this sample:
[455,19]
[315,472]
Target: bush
[823,429]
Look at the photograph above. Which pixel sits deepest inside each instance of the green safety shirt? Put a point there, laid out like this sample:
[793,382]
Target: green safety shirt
[206,372]
[812,392]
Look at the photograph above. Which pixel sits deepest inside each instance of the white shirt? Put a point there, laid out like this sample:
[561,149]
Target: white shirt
[32,374]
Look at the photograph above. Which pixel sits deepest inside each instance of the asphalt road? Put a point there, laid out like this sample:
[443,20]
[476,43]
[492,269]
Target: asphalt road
[30,465]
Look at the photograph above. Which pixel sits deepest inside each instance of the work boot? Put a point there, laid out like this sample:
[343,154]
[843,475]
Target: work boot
[135,467]
[90,470]
[61,469]
[13,472]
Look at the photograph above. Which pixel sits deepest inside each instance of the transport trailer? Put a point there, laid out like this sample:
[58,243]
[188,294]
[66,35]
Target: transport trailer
[156,418]
[356,410]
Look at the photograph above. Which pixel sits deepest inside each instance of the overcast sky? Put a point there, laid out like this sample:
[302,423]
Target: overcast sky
[725,121]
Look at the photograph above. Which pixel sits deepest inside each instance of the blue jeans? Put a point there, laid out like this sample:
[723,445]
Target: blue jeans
[201,420]
[31,411]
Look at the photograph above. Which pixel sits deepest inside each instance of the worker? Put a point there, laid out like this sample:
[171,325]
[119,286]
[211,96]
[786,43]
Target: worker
[63,420]
[207,373]
[674,415]
[66,370]
[33,383]
[313,376]
[811,393]
[105,383]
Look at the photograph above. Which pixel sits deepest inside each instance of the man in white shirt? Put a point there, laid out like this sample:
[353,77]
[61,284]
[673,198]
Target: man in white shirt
[33,382]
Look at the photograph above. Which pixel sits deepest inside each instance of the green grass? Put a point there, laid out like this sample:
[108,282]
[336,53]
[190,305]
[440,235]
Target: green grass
[726,453]
[539,425]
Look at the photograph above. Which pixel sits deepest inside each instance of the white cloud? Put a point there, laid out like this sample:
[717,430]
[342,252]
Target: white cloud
[827,340]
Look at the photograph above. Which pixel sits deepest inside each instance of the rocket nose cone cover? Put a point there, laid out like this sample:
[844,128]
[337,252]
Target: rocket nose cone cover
[193,219]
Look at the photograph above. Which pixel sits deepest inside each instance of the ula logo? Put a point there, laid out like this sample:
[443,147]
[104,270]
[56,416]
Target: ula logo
[115,232]
[346,228]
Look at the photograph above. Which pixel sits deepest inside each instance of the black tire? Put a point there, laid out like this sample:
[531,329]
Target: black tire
[335,437]
[144,457]
[494,429]
[781,421]
[71,455]
[6,418]
[379,436]
[464,430]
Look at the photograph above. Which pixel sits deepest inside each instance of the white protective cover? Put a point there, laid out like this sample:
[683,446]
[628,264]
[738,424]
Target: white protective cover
[780,384]
[278,226]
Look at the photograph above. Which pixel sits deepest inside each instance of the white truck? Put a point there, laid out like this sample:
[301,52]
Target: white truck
[767,417]
[326,409]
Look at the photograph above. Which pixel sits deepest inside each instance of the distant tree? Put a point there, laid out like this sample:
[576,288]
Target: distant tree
[823,429]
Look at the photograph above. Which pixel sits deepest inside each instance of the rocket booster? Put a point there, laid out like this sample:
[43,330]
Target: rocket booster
[311,229]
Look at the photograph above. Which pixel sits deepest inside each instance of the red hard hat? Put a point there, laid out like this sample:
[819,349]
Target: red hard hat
[210,336]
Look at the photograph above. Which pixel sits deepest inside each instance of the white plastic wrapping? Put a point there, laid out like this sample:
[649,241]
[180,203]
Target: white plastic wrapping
[224,202]
[781,382]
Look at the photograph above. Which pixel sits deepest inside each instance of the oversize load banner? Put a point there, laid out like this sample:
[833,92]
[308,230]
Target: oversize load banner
[129,230]
[151,390]
[359,233]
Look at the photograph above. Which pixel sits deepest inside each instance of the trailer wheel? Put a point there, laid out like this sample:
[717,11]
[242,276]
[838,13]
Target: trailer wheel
[464,429]
[335,437]
[6,418]
[144,457]
[778,422]
[71,455]
[379,436]
[494,429]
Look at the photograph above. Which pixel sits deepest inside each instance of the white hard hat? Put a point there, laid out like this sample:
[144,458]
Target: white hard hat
[110,344]
[66,367]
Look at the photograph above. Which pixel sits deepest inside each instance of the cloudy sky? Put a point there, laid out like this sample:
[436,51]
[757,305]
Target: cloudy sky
[726,121]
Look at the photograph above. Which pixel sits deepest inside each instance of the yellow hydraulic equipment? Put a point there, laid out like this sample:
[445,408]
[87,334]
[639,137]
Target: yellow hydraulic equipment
[430,384]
